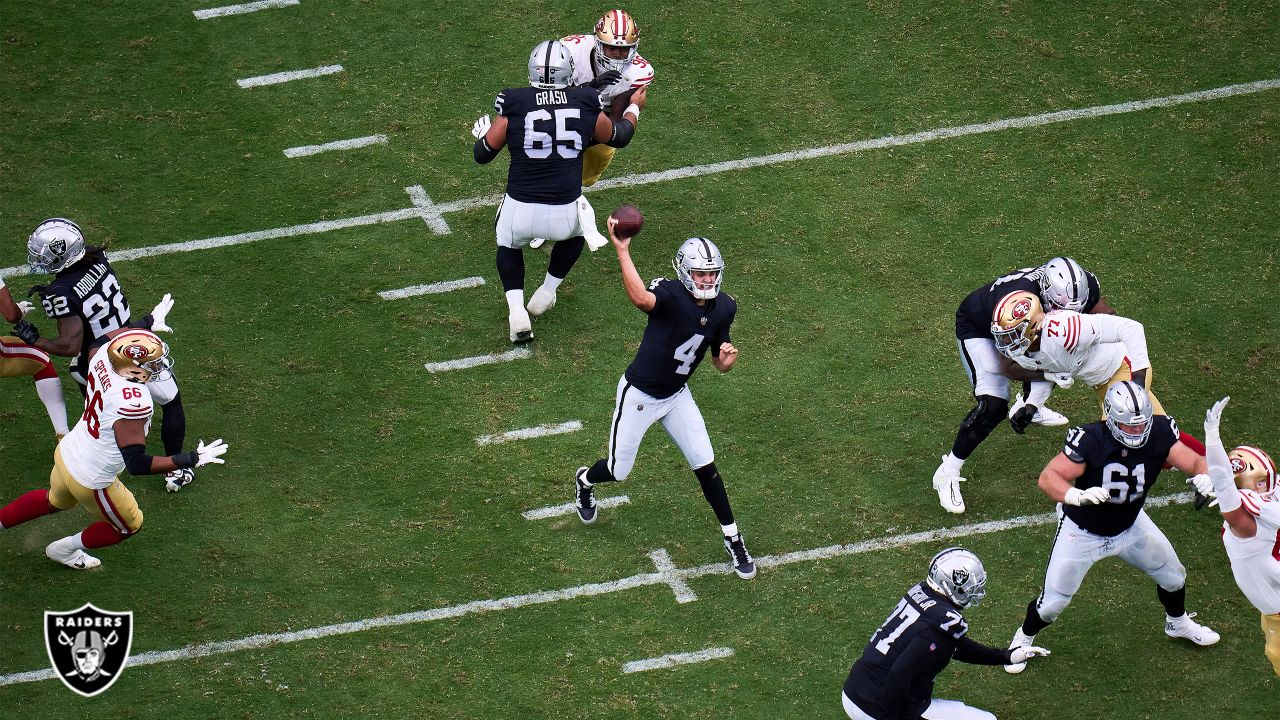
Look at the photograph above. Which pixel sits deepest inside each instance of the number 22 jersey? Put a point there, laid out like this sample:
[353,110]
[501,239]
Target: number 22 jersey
[90,291]
[89,450]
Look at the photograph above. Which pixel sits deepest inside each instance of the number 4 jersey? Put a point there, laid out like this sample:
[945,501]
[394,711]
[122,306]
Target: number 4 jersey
[547,130]
[1127,473]
[87,290]
[677,337]
[90,450]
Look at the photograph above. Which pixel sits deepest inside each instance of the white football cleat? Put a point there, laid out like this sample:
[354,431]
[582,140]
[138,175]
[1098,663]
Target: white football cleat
[62,551]
[1020,639]
[1044,416]
[947,483]
[1185,627]
[543,299]
[537,243]
[521,326]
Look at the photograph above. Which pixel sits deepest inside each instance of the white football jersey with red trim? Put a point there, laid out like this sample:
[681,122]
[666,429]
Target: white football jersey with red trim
[1255,561]
[90,450]
[1089,347]
[636,75]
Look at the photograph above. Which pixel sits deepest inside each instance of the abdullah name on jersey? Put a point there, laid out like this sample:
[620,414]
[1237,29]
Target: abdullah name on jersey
[1127,473]
[637,74]
[1089,347]
[1255,561]
[89,291]
[677,336]
[89,450]
[547,131]
[973,318]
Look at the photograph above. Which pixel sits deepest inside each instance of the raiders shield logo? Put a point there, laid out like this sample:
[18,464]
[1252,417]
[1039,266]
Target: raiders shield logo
[88,647]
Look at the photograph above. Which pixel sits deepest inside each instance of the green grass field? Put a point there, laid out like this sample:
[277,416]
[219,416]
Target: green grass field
[354,487]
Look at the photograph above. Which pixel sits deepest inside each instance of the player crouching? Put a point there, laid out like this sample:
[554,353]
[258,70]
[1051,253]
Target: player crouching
[111,436]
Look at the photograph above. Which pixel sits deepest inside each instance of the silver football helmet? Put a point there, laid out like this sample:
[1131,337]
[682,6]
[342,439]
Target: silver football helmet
[958,574]
[700,254]
[550,66]
[1064,285]
[55,244]
[1128,410]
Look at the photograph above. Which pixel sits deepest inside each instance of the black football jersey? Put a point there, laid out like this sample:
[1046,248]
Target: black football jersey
[922,618]
[1127,473]
[677,337]
[547,132]
[87,290]
[973,318]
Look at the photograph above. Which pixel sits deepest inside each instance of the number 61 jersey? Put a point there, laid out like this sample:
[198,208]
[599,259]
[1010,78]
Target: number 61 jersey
[1126,473]
[89,450]
[547,131]
[677,337]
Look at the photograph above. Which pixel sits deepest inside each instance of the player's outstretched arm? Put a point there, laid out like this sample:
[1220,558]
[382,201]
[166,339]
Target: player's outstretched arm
[637,293]
[131,438]
[69,341]
[1242,524]
[1057,480]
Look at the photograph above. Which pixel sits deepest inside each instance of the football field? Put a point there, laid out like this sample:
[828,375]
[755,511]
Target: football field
[387,538]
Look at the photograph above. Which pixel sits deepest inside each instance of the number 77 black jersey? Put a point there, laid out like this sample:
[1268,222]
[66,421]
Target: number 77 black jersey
[547,132]
[87,290]
[677,337]
[1127,473]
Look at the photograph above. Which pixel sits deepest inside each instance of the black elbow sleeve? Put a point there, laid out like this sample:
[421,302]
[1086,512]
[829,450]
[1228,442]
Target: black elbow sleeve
[482,152]
[136,459]
[623,129]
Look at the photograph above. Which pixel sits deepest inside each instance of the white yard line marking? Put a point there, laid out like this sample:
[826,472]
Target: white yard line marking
[427,209]
[476,607]
[241,9]
[519,353]
[283,77]
[543,513]
[353,143]
[432,289]
[662,561]
[542,430]
[694,171]
[667,661]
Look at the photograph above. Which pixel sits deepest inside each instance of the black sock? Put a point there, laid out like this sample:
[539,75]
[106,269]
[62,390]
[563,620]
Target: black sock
[713,490]
[511,268]
[173,426]
[1033,623]
[1175,603]
[563,255]
[599,473]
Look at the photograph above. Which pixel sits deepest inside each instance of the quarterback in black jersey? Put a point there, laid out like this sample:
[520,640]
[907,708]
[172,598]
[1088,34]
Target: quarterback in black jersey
[1101,480]
[1060,283]
[546,128]
[686,319]
[893,680]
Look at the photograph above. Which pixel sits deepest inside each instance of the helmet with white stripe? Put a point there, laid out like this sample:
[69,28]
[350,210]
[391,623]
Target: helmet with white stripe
[700,255]
[1253,469]
[1064,285]
[550,66]
[617,37]
[139,355]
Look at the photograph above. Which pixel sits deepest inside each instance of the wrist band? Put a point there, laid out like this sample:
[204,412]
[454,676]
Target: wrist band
[633,109]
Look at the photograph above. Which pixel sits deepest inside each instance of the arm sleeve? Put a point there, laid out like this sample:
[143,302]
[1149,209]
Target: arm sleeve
[482,152]
[1113,328]
[924,656]
[975,653]
[623,129]
[1224,481]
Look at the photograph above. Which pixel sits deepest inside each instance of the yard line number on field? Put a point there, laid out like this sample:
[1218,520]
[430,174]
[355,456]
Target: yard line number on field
[671,576]
[433,215]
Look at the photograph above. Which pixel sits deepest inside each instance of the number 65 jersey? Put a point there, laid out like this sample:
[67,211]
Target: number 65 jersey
[1126,473]
[547,131]
[89,450]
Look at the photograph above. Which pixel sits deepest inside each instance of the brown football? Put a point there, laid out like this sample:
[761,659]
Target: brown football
[630,221]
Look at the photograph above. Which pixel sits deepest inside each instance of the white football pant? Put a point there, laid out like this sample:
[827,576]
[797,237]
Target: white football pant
[937,710]
[520,222]
[635,411]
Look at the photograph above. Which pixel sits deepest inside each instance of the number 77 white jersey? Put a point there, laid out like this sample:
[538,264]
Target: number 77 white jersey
[89,450]
[1255,561]
[1089,347]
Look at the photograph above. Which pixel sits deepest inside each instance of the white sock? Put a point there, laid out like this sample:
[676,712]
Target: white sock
[515,301]
[77,541]
[951,462]
[551,282]
[729,530]
[50,392]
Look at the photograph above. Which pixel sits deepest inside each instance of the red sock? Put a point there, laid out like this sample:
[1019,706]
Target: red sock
[1191,442]
[28,506]
[101,534]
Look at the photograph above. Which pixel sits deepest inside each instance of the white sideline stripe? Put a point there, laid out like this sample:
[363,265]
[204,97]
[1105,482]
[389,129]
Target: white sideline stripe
[282,77]
[663,562]
[431,289]
[694,171]
[470,362]
[542,430]
[241,9]
[476,607]
[305,150]
[543,513]
[667,661]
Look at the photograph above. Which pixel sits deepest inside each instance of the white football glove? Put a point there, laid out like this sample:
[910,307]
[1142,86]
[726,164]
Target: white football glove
[25,307]
[1020,655]
[1213,415]
[1061,379]
[481,128]
[1092,496]
[160,312]
[1204,485]
[211,453]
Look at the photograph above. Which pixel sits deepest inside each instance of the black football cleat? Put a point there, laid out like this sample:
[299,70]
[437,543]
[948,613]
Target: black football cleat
[584,500]
[741,560]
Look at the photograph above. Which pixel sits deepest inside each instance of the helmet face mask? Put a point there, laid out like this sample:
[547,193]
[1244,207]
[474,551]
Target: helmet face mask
[617,37]
[54,245]
[958,574]
[550,66]
[1128,410]
[139,356]
[1253,470]
[699,255]
[1064,285]
[1015,323]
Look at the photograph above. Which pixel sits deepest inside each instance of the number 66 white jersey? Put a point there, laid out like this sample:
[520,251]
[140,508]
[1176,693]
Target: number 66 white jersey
[1255,561]
[89,450]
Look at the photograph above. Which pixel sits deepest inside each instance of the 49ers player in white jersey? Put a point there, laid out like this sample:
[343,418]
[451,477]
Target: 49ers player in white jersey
[111,436]
[1245,483]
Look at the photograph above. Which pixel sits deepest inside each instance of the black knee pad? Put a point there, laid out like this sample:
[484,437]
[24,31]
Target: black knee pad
[987,416]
